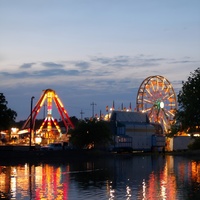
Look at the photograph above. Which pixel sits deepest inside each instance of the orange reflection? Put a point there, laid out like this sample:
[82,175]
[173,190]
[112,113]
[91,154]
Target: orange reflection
[195,170]
[164,185]
[37,182]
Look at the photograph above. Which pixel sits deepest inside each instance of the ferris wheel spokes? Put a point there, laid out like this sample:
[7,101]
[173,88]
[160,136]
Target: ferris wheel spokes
[148,91]
[148,101]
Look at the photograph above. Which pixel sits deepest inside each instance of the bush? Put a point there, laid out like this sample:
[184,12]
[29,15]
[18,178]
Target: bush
[195,145]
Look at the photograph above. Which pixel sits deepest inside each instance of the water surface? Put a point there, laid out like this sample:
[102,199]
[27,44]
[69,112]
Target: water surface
[118,177]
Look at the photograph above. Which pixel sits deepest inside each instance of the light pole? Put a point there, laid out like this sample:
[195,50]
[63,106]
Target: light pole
[31,122]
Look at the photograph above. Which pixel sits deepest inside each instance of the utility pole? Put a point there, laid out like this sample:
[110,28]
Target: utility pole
[82,114]
[93,104]
[31,123]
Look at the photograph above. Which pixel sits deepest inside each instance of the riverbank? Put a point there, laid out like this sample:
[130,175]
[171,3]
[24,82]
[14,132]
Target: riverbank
[62,156]
[24,154]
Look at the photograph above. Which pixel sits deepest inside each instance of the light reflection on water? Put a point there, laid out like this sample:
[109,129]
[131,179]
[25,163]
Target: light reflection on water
[137,177]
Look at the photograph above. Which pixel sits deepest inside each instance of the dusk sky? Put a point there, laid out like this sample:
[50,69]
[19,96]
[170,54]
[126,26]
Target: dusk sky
[94,50]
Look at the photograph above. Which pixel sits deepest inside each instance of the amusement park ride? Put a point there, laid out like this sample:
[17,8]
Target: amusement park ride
[157,98]
[49,96]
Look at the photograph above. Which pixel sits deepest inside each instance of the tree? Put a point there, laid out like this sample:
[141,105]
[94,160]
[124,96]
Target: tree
[7,116]
[188,114]
[91,133]
[195,144]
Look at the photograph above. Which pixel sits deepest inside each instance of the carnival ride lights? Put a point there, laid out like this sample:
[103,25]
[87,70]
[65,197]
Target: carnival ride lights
[157,98]
[49,95]
[109,110]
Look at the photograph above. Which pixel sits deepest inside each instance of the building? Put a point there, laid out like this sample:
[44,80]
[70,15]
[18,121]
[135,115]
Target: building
[133,130]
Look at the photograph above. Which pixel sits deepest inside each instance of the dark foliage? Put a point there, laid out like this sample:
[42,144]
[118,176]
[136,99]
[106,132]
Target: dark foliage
[91,132]
[195,145]
[188,114]
[7,116]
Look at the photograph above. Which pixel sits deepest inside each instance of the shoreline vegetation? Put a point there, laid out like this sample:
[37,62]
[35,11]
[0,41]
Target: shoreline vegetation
[10,155]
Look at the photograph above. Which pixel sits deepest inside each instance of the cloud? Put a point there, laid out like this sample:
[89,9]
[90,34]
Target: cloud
[128,61]
[112,61]
[40,73]
[83,64]
[14,75]
[56,72]
[26,65]
[183,62]
[52,65]
[102,73]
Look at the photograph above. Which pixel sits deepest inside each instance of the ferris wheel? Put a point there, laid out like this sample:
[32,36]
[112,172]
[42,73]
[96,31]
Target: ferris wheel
[157,98]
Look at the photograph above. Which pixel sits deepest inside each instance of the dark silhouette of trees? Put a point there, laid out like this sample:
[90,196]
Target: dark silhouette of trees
[74,120]
[7,115]
[195,145]
[91,134]
[188,114]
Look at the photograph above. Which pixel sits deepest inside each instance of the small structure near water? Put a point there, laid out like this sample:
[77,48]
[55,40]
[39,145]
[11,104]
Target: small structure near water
[179,143]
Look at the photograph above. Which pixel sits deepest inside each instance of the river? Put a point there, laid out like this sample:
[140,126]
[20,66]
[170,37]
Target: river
[118,177]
